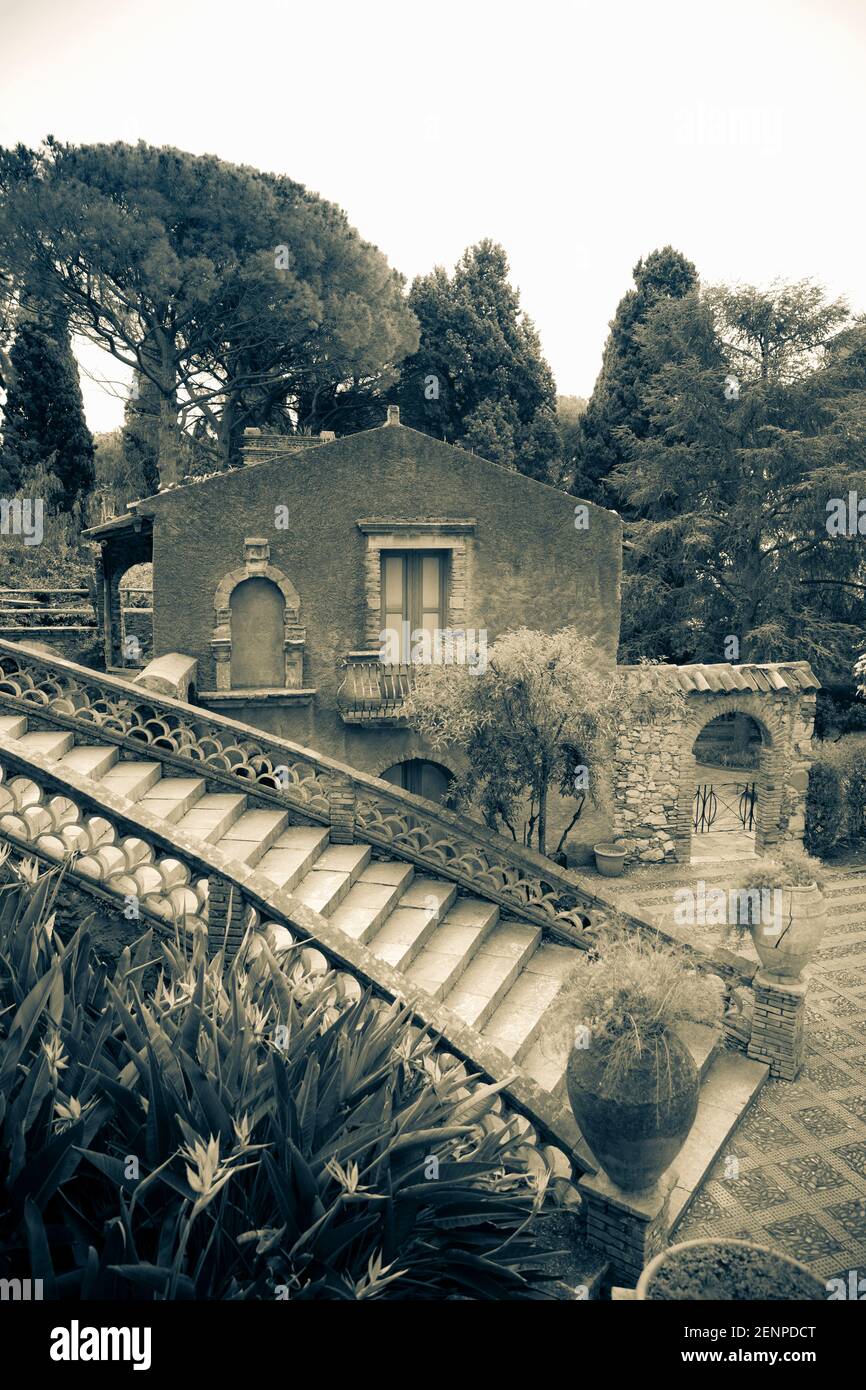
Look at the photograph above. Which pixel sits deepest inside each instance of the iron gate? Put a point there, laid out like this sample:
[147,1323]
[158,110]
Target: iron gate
[737,798]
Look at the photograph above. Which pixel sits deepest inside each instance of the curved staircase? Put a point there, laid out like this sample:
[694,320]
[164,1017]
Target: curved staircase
[204,823]
[498,975]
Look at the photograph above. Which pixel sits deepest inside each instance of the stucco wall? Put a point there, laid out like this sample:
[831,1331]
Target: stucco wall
[526,562]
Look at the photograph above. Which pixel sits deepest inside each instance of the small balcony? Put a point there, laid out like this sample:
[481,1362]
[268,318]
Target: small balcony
[373,692]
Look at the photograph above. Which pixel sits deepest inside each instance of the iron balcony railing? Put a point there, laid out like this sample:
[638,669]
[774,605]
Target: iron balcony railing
[372,689]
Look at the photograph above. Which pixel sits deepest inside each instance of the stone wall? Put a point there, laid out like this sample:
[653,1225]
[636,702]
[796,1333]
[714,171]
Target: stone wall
[655,777]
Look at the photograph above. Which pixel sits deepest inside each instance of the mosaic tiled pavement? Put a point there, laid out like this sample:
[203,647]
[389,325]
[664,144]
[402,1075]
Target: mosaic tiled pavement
[793,1176]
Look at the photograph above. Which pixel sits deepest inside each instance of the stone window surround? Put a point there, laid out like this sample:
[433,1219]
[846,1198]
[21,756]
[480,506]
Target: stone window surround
[257,554]
[393,533]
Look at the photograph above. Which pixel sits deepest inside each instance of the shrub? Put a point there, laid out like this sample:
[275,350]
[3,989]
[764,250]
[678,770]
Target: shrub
[855,798]
[257,1130]
[824,817]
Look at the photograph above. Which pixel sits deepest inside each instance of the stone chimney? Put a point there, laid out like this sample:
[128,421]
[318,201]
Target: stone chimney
[259,445]
[393,415]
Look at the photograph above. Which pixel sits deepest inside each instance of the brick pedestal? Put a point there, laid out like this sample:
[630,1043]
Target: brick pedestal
[341,804]
[630,1227]
[777,1024]
[226,916]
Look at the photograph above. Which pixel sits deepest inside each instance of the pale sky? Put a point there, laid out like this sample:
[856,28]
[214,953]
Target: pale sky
[580,136]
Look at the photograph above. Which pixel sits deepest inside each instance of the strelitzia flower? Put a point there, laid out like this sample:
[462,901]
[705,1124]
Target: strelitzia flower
[207,1174]
[55,1056]
[67,1112]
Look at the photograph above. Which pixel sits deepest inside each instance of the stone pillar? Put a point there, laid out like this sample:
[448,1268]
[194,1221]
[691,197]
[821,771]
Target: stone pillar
[341,801]
[630,1227]
[778,1015]
[226,916]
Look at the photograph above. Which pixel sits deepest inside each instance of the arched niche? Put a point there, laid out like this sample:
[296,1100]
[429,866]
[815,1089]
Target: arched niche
[258,642]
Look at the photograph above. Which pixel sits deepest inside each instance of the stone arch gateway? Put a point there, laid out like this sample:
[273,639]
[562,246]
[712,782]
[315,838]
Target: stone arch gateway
[655,767]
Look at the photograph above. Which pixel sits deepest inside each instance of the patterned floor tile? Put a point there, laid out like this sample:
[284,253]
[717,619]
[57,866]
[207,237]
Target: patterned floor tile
[813,1173]
[849,979]
[856,1104]
[820,1121]
[851,1215]
[765,1131]
[854,1155]
[803,1237]
[825,1075]
[756,1190]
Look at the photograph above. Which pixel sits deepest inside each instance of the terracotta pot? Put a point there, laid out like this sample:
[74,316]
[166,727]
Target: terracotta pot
[609,860]
[785,946]
[637,1132]
[728,1270]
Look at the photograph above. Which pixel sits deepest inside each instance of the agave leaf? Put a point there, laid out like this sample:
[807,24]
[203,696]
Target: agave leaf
[41,1266]
[23,1023]
[46,1169]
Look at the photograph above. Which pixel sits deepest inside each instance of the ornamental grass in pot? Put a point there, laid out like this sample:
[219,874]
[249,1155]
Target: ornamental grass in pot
[789,919]
[735,1271]
[632,1082]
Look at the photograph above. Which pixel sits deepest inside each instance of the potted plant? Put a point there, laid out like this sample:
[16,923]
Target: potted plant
[610,859]
[728,1270]
[789,919]
[632,1082]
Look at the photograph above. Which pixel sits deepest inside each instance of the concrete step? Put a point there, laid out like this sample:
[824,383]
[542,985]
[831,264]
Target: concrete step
[365,908]
[413,921]
[703,1044]
[293,854]
[521,1016]
[91,761]
[47,743]
[250,837]
[210,817]
[459,936]
[171,797]
[13,725]
[492,972]
[131,779]
[325,886]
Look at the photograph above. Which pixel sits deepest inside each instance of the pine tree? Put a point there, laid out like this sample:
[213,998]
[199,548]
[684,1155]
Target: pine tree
[479,378]
[616,400]
[44,425]
[755,403]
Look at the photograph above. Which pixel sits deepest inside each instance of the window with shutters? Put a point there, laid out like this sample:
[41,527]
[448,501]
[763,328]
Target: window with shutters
[414,596]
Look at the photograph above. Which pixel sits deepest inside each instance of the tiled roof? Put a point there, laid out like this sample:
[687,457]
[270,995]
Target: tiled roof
[724,678]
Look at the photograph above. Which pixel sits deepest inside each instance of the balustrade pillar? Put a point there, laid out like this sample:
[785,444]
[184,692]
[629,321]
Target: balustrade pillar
[341,804]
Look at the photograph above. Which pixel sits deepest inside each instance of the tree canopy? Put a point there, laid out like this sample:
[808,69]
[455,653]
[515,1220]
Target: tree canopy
[479,378]
[616,401]
[755,410]
[240,296]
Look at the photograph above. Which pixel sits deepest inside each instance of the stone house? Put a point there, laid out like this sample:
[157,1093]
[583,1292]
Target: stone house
[282,578]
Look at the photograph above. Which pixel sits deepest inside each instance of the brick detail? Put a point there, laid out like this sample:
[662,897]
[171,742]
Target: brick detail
[630,1227]
[341,803]
[227,916]
[778,1016]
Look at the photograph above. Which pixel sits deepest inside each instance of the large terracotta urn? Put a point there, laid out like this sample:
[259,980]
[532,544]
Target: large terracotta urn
[786,944]
[637,1128]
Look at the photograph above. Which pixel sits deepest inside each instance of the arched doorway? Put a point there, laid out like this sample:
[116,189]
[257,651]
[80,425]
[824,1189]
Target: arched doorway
[258,659]
[730,799]
[418,775]
[135,615]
